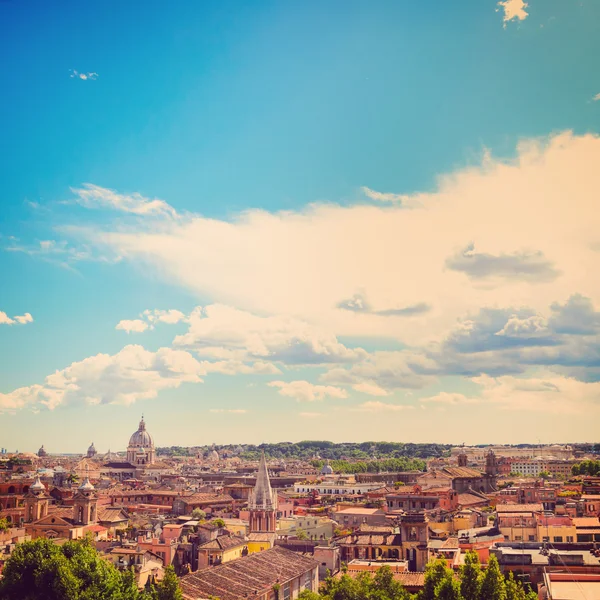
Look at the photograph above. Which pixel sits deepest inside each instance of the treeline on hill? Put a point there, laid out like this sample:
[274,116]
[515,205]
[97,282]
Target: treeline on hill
[473,583]
[43,570]
[327,450]
[586,467]
[385,465]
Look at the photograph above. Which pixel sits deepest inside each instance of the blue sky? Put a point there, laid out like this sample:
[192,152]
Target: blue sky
[375,221]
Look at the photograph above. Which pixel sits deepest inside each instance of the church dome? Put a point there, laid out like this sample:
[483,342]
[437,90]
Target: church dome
[37,486]
[42,452]
[86,486]
[327,470]
[92,448]
[141,438]
[214,456]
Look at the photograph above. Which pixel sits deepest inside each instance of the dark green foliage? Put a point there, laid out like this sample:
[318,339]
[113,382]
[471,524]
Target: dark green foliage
[42,570]
[448,589]
[327,450]
[435,572]
[492,585]
[586,467]
[470,576]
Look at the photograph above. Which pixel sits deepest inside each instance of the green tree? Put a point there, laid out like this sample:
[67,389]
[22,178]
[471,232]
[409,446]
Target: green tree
[168,588]
[218,522]
[41,570]
[386,587]
[308,595]
[435,572]
[545,475]
[4,524]
[492,585]
[448,589]
[301,534]
[470,576]
[198,514]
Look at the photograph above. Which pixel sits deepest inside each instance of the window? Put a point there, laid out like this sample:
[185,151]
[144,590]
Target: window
[558,538]
[532,538]
[569,538]
[286,591]
[307,584]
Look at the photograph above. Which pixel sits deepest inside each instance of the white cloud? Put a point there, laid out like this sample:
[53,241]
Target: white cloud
[547,392]
[371,389]
[385,196]
[20,319]
[149,318]
[377,406]
[514,9]
[451,398]
[83,76]
[229,411]
[171,316]
[304,391]
[132,326]
[219,331]
[528,327]
[94,196]
[123,378]
[541,204]
[596,98]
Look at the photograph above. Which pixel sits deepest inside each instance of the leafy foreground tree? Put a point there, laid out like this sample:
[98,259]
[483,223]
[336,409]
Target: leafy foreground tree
[492,585]
[41,570]
[470,576]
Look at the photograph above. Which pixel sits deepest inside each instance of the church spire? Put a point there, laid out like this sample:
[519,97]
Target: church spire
[262,497]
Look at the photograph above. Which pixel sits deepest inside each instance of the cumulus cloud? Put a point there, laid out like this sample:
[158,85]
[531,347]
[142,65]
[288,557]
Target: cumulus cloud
[90,76]
[123,378]
[576,316]
[220,331]
[548,392]
[132,326]
[17,319]
[94,196]
[514,10]
[377,406]
[383,371]
[384,196]
[260,261]
[528,327]
[527,266]
[304,391]
[372,389]
[597,97]
[171,316]
[359,304]
[149,318]
[451,398]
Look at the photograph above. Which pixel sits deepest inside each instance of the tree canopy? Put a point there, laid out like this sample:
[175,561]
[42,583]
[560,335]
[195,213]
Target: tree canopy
[43,570]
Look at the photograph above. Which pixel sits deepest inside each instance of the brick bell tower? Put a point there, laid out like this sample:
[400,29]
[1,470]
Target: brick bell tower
[262,502]
[85,504]
[36,502]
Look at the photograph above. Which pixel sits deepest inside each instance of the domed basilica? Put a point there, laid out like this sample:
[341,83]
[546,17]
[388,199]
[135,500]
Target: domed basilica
[141,447]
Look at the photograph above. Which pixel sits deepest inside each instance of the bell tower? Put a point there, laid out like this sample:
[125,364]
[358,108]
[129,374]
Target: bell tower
[414,532]
[36,502]
[85,504]
[263,502]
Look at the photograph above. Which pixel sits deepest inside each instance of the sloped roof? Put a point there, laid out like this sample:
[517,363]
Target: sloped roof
[252,575]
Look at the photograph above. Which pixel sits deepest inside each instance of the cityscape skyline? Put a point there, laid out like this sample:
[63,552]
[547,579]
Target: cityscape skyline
[273,222]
